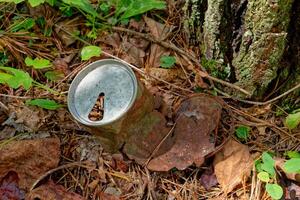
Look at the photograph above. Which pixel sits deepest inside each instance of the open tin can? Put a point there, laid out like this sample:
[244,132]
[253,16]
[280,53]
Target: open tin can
[129,119]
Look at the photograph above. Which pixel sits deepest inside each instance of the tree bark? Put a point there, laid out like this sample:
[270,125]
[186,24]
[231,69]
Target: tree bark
[254,44]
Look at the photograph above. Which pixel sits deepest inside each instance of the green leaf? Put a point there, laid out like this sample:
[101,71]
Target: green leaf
[90,51]
[84,5]
[292,154]
[104,7]
[137,7]
[12,1]
[37,63]
[292,165]
[258,165]
[268,164]
[25,24]
[242,132]
[18,78]
[44,103]
[167,62]
[54,75]
[35,3]
[292,120]
[51,2]
[274,190]
[263,176]
[4,77]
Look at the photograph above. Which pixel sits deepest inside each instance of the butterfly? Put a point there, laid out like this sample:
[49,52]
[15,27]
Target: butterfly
[97,111]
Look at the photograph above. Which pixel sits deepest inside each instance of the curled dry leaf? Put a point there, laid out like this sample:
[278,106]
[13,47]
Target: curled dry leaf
[197,117]
[51,191]
[279,162]
[232,165]
[29,159]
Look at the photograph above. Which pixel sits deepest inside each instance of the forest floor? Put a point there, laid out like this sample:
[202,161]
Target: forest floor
[45,152]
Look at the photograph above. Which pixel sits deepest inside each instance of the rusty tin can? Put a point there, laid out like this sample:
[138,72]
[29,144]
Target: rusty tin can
[129,121]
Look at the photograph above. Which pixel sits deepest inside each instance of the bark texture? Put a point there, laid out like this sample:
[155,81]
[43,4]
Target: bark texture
[251,37]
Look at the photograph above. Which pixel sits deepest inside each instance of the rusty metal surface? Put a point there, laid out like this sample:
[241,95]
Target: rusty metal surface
[196,119]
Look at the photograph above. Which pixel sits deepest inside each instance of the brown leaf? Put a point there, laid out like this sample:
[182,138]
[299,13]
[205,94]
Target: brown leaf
[232,165]
[160,32]
[9,187]
[208,180]
[134,54]
[69,26]
[30,117]
[279,162]
[29,158]
[104,196]
[197,117]
[164,74]
[293,192]
[51,191]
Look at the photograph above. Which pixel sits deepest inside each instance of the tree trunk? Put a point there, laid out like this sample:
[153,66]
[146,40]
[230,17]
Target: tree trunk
[255,44]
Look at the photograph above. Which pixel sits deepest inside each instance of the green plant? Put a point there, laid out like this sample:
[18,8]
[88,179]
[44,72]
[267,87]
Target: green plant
[54,75]
[267,174]
[90,51]
[16,78]
[242,132]
[292,165]
[37,63]
[293,119]
[167,62]
[44,103]
[216,69]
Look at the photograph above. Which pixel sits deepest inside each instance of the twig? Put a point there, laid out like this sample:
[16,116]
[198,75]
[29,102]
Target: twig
[16,97]
[74,164]
[262,121]
[152,39]
[261,103]
[126,63]
[225,83]
[158,146]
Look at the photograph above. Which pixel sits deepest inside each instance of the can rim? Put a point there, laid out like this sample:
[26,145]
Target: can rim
[80,76]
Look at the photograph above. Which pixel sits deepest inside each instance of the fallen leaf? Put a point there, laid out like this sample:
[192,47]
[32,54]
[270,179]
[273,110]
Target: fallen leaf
[232,165]
[104,196]
[168,75]
[279,163]
[31,118]
[196,118]
[208,179]
[160,32]
[29,158]
[293,192]
[9,187]
[67,26]
[51,191]
[133,54]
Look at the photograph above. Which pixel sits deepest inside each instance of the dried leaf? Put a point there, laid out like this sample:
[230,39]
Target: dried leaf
[9,187]
[293,192]
[69,26]
[279,163]
[208,179]
[30,117]
[232,165]
[29,158]
[51,191]
[164,74]
[159,31]
[196,118]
